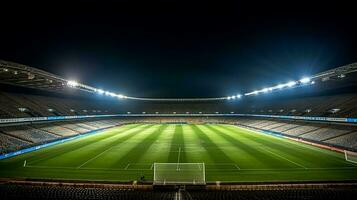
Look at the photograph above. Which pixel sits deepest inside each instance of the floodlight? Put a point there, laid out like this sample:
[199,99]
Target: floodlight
[291,83]
[280,86]
[305,80]
[100,91]
[229,98]
[265,90]
[72,83]
[233,97]
[120,96]
[239,96]
[112,94]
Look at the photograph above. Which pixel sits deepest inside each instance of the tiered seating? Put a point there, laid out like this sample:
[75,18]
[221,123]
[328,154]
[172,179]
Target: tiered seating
[302,106]
[56,192]
[74,127]
[86,126]
[55,129]
[324,133]
[299,130]
[8,143]
[17,137]
[274,125]
[348,140]
[266,123]
[285,127]
[290,194]
[338,135]
[28,134]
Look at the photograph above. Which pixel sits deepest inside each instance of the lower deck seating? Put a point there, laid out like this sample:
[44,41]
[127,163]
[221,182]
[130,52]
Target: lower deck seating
[8,143]
[12,191]
[332,134]
[28,133]
[56,129]
[348,140]
[291,194]
[13,138]
[65,193]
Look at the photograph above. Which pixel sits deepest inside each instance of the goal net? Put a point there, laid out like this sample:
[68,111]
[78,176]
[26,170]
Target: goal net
[179,173]
[351,156]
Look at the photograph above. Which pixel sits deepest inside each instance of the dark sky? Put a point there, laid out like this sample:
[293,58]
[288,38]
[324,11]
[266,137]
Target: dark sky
[177,49]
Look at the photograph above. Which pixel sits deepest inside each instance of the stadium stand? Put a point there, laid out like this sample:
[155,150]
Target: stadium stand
[273,194]
[10,191]
[8,143]
[25,105]
[28,134]
[57,192]
[25,135]
[339,135]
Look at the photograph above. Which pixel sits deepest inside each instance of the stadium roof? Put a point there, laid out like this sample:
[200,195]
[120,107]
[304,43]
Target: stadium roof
[29,77]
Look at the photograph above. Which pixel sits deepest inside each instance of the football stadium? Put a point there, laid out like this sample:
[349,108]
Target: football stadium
[52,136]
[178,103]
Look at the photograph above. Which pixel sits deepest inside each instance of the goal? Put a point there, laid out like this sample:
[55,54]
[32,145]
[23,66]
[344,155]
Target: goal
[351,156]
[179,173]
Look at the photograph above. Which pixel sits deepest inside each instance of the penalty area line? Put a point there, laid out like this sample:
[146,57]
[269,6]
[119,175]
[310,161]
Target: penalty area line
[285,159]
[95,157]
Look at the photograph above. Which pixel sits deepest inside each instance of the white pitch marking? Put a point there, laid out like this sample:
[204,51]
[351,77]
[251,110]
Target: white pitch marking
[127,166]
[95,157]
[286,159]
[178,156]
[244,169]
[178,159]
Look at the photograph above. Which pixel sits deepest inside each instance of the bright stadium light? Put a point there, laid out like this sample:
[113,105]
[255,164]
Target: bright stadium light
[265,90]
[305,80]
[239,96]
[120,96]
[100,91]
[291,83]
[72,83]
[112,94]
[280,86]
[233,97]
[229,98]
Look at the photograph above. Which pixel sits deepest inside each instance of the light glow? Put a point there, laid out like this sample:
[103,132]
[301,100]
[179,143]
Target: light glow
[291,83]
[72,83]
[305,80]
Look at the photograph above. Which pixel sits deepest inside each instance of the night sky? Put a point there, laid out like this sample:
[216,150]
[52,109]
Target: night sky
[177,49]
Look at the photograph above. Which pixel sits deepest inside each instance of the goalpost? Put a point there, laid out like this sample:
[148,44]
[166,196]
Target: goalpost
[351,156]
[179,173]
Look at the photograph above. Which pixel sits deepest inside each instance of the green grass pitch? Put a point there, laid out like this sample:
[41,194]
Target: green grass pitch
[230,154]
